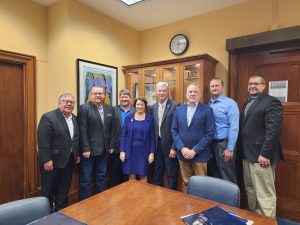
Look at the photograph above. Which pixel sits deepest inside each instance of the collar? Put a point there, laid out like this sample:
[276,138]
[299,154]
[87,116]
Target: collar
[219,99]
[164,103]
[192,106]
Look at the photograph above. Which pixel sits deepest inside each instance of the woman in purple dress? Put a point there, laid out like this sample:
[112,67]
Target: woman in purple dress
[138,141]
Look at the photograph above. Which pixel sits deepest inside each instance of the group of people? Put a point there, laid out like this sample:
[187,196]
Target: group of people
[198,139]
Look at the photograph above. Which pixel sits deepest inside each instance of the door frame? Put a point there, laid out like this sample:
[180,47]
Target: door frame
[30,169]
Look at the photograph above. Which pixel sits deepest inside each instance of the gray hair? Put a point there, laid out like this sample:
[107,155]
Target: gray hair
[64,95]
[162,84]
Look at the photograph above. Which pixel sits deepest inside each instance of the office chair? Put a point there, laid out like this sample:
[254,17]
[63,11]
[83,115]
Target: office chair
[24,211]
[281,221]
[214,189]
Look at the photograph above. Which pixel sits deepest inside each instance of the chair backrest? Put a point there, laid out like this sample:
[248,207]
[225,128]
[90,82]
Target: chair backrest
[24,211]
[281,221]
[214,189]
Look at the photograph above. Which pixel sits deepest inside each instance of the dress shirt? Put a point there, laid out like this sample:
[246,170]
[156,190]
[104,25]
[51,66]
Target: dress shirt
[124,114]
[101,112]
[191,109]
[70,124]
[226,114]
[251,99]
[161,110]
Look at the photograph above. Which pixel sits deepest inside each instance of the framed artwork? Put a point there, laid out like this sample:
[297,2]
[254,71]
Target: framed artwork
[90,74]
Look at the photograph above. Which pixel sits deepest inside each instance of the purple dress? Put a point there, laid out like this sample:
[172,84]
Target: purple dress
[137,164]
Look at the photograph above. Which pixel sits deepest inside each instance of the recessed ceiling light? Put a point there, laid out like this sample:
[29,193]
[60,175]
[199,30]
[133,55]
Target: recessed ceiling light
[131,2]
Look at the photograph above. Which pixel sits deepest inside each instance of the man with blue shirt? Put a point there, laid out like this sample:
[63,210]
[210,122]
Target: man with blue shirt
[226,113]
[114,164]
[193,129]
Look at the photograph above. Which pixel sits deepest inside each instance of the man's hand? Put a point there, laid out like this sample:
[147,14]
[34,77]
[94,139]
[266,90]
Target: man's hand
[86,154]
[263,161]
[172,154]
[122,156]
[48,166]
[188,153]
[151,158]
[227,155]
[77,159]
[111,151]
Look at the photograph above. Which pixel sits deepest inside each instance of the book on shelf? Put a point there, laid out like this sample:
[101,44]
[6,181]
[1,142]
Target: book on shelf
[56,218]
[215,216]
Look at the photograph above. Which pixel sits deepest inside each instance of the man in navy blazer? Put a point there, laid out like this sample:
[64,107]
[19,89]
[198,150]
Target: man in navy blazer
[165,156]
[193,129]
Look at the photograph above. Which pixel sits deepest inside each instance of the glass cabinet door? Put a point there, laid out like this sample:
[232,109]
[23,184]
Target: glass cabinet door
[150,80]
[170,75]
[192,74]
[133,83]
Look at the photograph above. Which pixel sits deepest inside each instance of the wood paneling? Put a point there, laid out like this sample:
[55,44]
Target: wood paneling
[276,65]
[18,161]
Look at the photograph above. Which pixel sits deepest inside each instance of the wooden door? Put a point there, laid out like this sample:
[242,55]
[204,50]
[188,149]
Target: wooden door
[18,163]
[277,65]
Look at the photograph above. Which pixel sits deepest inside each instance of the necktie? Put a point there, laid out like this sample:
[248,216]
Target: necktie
[250,102]
[160,116]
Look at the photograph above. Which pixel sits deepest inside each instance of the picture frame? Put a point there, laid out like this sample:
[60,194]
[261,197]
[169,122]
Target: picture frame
[91,74]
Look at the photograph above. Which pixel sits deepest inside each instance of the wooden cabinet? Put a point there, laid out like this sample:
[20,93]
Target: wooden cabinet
[179,73]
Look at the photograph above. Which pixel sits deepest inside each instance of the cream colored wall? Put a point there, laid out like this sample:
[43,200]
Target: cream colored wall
[77,31]
[208,32]
[23,29]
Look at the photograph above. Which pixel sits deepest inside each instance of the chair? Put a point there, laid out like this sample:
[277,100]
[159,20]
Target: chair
[24,211]
[281,221]
[214,189]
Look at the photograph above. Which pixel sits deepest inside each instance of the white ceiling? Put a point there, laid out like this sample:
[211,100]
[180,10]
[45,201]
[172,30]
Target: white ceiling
[152,13]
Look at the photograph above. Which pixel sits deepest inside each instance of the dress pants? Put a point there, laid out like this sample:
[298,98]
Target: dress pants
[161,163]
[88,166]
[56,184]
[260,188]
[217,167]
[114,171]
[188,169]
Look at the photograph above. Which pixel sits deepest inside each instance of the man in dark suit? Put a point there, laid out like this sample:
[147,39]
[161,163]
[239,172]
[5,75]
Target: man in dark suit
[114,167]
[193,129]
[165,156]
[260,128]
[58,143]
[97,139]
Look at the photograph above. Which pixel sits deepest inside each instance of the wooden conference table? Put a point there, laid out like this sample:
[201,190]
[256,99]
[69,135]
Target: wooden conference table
[137,203]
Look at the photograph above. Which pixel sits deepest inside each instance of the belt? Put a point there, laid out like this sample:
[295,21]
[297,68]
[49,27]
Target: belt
[220,140]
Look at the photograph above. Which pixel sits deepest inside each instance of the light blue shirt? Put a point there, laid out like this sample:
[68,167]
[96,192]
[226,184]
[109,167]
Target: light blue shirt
[227,115]
[190,113]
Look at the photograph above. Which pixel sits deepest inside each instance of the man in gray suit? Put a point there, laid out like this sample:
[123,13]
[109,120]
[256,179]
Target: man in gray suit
[114,168]
[165,157]
[58,143]
[97,139]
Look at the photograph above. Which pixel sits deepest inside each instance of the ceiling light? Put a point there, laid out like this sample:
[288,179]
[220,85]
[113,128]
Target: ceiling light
[131,2]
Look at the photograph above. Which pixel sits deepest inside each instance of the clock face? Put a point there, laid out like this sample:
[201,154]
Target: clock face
[179,44]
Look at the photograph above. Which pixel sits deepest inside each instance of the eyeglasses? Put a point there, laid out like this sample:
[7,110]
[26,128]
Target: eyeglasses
[68,102]
[97,93]
[254,84]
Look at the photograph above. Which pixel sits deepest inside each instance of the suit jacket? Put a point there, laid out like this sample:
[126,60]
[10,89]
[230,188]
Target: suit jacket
[166,124]
[54,139]
[127,136]
[198,135]
[119,123]
[95,136]
[260,129]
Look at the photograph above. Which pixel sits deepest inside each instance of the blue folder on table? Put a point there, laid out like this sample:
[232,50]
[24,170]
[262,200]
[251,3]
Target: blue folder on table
[56,219]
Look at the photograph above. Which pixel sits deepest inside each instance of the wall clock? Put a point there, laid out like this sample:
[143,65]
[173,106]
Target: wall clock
[179,44]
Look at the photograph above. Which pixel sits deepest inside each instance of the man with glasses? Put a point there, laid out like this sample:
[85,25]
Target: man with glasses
[58,144]
[97,139]
[260,127]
